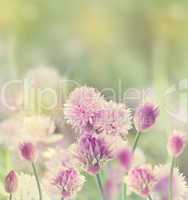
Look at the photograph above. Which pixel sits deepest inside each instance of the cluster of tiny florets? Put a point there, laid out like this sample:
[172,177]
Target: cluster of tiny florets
[92,152]
[141,180]
[88,111]
[83,108]
[102,145]
[114,119]
[68,182]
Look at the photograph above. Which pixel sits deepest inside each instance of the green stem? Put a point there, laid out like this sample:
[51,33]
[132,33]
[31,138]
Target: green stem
[124,191]
[171,179]
[10,197]
[136,141]
[99,183]
[37,180]
[149,197]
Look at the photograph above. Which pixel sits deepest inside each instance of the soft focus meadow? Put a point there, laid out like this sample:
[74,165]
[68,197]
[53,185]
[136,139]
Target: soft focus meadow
[93,100]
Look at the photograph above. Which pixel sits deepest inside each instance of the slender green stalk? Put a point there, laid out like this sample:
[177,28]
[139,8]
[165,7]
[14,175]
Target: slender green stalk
[136,141]
[171,179]
[10,197]
[99,183]
[124,191]
[37,180]
[149,197]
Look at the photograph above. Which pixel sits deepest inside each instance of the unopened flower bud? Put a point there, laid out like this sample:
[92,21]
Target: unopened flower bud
[176,144]
[28,151]
[145,116]
[125,157]
[11,182]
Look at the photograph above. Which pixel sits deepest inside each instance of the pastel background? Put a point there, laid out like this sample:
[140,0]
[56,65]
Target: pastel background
[105,44]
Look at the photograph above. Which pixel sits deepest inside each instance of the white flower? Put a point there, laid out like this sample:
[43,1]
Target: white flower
[42,90]
[27,189]
[162,184]
[10,130]
[43,77]
[37,127]
[31,128]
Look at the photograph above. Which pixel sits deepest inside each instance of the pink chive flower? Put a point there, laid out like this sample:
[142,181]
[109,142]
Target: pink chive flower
[92,152]
[125,157]
[114,119]
[11,182]
[141,180]
[68,182]
[28,151]
[146,116]
[176,143]
[161,187]
[83,107]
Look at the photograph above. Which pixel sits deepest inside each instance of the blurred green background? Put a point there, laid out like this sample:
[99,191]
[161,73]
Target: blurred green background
[140,44]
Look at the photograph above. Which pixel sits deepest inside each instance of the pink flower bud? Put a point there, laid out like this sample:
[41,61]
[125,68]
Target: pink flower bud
[125,157]
[176,143]
[146,116]
[11,182]
[28,151]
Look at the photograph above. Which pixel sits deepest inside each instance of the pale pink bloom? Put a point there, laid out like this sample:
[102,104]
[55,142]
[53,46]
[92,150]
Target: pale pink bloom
[146,116]
[141,180]
[56,158]
[114,119]
[41,90]
[10,132]
[161,188]
[93,151]
[43,77]
[11,101]
[11,182]
[83,107]
[125,157]
[28,151]
[176,143]
[37,127]
[185,197]
[68,183]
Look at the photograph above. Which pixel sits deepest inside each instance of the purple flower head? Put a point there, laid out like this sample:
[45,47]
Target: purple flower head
[68,182]
[11,182]
[93,151]
[141,180]
[145,116]
[176,143]
[114,119]
[83,107]
[28,151]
